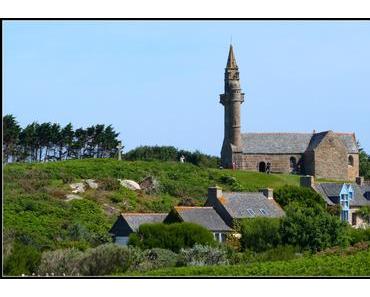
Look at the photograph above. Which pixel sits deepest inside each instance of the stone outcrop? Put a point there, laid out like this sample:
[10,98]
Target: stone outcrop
[129,184]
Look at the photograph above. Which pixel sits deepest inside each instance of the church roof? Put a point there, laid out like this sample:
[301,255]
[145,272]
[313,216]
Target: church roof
[231,62]
[290,143]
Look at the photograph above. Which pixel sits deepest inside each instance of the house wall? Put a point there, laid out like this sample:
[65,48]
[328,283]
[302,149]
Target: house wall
[279,162]
[359,221]
[121,240]
[330,158]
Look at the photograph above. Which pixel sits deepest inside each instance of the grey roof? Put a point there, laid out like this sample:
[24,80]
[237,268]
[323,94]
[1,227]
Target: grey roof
[290,143]
[238,205]
[136,219]
[331,191]
[204,216]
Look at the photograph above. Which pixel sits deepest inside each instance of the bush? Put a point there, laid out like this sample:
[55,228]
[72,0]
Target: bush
[61,262]
[232,182]
[358,235]
[24,259]
[200,255]
[154,259]
[170,153]
[305,197]
[170,236]
[105,259]
[109,184]
[312,228]
[260,234]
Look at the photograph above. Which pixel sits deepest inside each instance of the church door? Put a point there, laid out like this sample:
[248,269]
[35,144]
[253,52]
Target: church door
[262,167]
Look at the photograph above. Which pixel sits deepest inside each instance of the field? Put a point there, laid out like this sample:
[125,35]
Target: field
[357,264]
[35,209]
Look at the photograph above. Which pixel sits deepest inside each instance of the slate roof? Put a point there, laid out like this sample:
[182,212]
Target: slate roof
[238,205]
[204,216]
[290,143]
[331,191]
[134,220]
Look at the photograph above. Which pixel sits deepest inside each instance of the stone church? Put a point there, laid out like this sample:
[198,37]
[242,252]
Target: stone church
[325,154]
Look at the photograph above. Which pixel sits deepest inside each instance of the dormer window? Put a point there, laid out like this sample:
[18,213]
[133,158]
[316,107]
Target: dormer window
[251,212]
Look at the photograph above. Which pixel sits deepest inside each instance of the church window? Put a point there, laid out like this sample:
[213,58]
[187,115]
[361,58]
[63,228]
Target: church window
[293,164]
[262,167]
[350,161]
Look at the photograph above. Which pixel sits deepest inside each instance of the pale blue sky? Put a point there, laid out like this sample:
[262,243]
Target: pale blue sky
[159,82]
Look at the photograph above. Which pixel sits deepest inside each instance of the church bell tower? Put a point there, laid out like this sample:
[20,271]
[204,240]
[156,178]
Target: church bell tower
[231,100]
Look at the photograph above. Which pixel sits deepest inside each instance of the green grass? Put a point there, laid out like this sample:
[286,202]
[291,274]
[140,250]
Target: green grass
[333,265]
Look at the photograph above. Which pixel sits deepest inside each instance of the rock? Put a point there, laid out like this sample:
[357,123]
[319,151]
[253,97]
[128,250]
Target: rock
[129,184]
[110,209]
[77,188]
[70,197]
[91,183]
[149,185]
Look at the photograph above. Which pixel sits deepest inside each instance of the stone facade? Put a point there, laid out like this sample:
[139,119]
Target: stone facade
[325,155]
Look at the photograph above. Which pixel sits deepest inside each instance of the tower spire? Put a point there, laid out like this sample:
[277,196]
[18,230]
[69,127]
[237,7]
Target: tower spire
[231,62]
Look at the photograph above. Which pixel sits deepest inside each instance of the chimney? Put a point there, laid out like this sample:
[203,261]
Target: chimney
[360,180]
[214,192]
[307,181]
[269,193]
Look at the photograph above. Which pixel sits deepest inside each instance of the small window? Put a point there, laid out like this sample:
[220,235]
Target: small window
[263,211]
[251,211]
[350,161]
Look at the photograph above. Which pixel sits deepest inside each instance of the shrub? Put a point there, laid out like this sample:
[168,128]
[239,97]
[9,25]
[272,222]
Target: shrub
[232,182]
[260,234]
[24,259]
[61,262]
[358,235]
[312,228]
[200,255]
[154,259]
[170,236]
[304,196]
[116,198]
[105,259]
[109,184]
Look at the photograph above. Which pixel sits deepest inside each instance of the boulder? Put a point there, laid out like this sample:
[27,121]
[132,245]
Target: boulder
[77,188]
[91,183]
[149,185]
[70,197]
[129,184]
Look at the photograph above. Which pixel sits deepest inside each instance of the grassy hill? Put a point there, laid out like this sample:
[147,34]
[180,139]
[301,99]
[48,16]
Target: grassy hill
[37,214]
[357,264]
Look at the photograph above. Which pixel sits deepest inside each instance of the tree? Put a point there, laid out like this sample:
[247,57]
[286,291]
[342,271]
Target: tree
[11,131]
[260,234]
[171,236]
[305,197]
[311,228]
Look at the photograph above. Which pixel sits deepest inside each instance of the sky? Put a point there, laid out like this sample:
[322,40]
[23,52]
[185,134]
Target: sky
[158,82]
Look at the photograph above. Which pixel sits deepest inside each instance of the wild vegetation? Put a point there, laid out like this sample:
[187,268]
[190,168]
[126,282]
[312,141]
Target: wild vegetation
[37,217]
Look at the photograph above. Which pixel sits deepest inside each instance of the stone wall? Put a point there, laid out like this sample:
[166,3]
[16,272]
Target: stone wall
[331,158]
[353,171]
[279,162]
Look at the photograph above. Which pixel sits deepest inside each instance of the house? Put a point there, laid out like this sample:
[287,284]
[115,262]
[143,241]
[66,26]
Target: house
[232,206]
[128,223]
[349,196]
[203,216]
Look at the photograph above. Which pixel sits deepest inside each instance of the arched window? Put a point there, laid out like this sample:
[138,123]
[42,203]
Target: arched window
[262,167]
[293,164]
[350,161]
